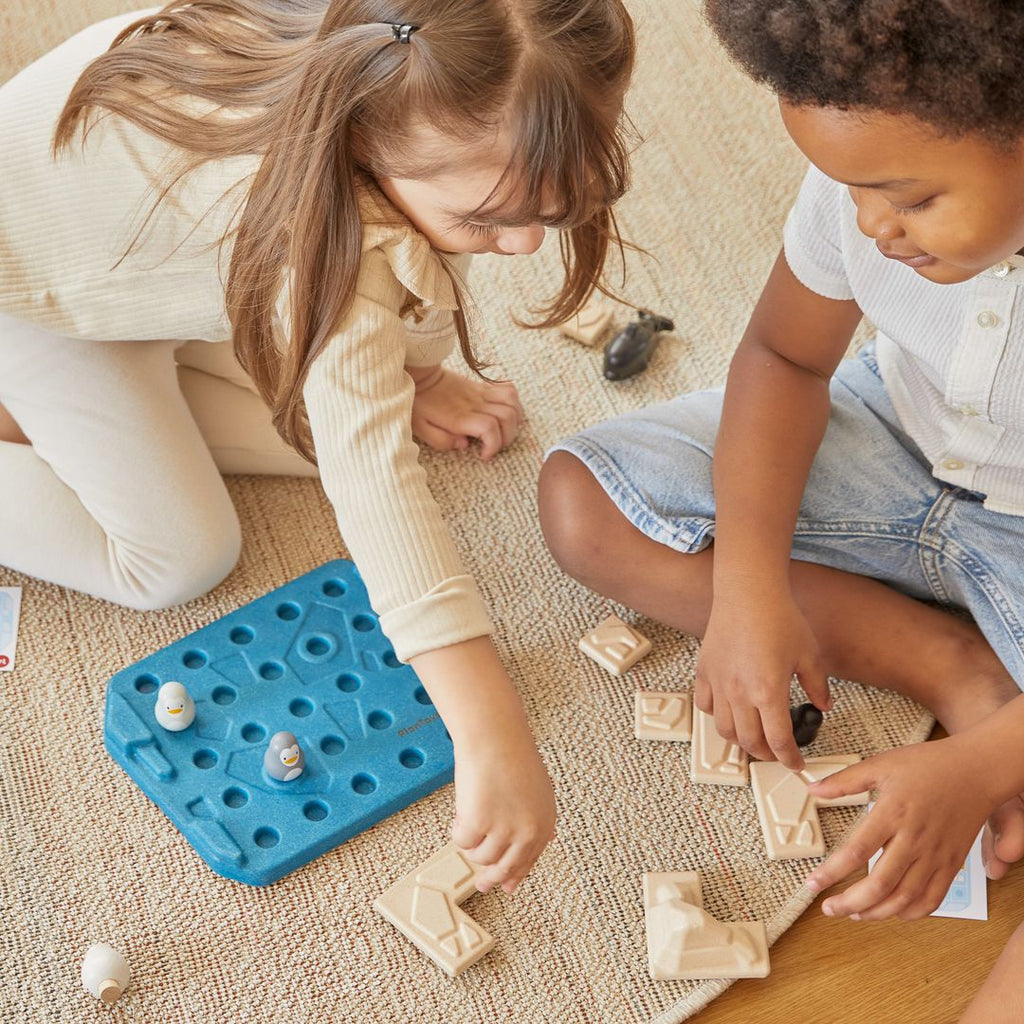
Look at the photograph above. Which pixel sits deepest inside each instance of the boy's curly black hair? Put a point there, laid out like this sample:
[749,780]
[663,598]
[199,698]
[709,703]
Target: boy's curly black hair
[955,64]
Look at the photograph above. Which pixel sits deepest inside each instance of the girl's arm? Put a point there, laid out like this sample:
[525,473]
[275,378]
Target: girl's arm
[504,805]
[775,413]
[360,399]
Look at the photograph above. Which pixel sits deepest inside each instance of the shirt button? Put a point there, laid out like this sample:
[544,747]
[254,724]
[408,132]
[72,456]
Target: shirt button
[952,464]
[1002,269]
[986,318]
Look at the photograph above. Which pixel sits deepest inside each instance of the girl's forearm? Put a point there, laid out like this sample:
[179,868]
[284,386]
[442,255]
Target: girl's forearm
[474,695]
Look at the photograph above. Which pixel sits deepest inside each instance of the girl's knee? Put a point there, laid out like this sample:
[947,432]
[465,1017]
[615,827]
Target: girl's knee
[153,580]
[573,512]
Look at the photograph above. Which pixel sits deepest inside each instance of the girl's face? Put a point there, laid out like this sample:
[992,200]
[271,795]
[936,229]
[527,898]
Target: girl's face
[442,206]
[948,208]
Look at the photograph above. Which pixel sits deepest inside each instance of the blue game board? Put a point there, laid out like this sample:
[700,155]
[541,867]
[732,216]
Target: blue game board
[308,658]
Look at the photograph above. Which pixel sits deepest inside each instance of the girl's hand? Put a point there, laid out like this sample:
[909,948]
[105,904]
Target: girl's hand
[449,410]
[930,805]
[748,658]
[504,811]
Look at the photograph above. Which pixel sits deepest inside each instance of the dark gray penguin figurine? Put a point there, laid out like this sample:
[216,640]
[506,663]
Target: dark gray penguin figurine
[806,719]
[631,349]
[283,759]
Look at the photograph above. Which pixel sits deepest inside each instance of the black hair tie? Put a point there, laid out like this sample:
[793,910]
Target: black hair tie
[403,33]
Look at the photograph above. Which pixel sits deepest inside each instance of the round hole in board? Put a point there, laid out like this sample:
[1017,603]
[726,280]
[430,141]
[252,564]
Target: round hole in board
[363,624]
[235,797]
[332,745]
[316,810]
[194,659]
[421,696]
[241,635]
[319,646]
[334,588]
[391,660]
[301,708]
[378,719]
[266,838]
[349,683]
[271,670]
[363,783]
[147,683]
[253,732]
[412,757]
[288,611]
[223,695]
[205,758]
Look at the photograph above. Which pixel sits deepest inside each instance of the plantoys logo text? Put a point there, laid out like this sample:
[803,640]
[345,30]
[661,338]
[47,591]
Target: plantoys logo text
[418,725]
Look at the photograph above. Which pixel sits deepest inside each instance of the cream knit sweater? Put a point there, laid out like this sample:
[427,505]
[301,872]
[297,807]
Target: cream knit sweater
[64,228]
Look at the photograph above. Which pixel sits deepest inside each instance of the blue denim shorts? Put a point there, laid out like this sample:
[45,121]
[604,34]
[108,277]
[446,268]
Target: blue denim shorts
[871,505]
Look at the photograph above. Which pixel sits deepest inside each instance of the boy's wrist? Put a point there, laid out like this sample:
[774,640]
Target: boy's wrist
[991,751]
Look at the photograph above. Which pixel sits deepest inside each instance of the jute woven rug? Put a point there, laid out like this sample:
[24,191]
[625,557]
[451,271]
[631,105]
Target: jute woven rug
[87,858]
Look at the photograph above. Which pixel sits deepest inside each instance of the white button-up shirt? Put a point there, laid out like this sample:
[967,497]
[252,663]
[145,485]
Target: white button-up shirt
[951,356]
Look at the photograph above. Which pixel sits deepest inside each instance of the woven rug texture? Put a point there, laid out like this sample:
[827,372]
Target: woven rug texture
[86,857]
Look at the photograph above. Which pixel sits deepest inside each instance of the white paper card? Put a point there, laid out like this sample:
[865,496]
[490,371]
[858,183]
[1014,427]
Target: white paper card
[10,610]
[967,897]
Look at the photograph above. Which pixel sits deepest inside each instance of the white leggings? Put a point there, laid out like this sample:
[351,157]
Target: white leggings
[120,493]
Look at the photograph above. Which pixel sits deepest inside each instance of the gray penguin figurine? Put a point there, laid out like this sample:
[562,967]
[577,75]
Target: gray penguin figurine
[283,759]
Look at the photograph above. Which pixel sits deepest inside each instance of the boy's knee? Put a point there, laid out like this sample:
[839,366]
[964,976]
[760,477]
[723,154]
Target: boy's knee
[570,502]
[153,580]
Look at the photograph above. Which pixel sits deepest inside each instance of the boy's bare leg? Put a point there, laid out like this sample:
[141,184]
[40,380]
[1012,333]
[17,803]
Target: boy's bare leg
[1000,1000]
[9,429]
[866,630]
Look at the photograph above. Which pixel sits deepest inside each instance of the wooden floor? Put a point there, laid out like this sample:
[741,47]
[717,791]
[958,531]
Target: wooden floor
[826,971]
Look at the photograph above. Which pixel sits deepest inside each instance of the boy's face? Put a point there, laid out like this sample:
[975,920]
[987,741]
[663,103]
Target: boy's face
[948,208]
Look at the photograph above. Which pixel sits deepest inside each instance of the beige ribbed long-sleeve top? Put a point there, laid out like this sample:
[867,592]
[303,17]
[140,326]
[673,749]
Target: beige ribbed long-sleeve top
[64,229]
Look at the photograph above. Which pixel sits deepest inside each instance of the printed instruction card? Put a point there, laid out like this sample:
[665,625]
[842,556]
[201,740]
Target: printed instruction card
[10,609]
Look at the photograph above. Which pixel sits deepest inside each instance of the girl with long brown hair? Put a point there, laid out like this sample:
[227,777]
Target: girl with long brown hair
[305,178]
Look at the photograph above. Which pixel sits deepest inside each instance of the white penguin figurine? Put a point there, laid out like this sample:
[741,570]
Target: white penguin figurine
[284,760]
[175,709]
[105,973]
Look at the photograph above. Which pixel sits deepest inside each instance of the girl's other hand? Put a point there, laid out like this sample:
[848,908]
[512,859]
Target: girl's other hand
[748,657]
[504,811]
[448,411]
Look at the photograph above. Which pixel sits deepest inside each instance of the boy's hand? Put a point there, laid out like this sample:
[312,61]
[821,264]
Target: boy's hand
[504,812]
[449,410]
[748,658]
[928,810]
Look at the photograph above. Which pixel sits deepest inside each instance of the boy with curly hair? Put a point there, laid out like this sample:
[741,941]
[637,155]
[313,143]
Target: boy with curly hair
[848,500]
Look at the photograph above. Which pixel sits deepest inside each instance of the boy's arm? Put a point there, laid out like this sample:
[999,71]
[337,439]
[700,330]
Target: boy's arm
[775,413]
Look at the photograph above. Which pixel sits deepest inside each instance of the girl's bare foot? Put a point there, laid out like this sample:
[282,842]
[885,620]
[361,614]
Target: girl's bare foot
[9,429]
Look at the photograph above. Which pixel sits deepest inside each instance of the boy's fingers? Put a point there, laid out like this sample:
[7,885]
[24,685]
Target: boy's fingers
[858,778]
[906,895]
[815,685]
[702,695]
[872,890]
[858,849]
[749,734]
[778,730]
